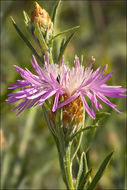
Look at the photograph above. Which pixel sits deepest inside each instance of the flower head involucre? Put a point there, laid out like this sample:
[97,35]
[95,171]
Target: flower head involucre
[69,83]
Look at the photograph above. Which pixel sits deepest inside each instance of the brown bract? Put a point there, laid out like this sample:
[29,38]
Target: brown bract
[73,110]
[41,17]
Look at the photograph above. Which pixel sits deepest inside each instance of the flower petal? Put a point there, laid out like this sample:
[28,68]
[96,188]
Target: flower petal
[73,97]
[105,100]
[55,102]
[87,108]
[38,94]
[46,96]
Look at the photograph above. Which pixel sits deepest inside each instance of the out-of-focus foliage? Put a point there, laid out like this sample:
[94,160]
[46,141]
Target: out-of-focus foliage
[29,157]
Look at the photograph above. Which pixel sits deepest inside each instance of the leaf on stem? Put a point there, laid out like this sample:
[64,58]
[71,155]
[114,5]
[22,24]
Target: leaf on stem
[54,12]
[25,40]
[47,120]
[100,115]
[83,175]
[100,172]
[26,17]
[62,43]
[77,143]
[40,37]
[63,47]
[70,129]
[91,133]
[66,31]
[85,129]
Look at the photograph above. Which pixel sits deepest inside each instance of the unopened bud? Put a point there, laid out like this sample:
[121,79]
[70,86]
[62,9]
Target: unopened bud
[41,17]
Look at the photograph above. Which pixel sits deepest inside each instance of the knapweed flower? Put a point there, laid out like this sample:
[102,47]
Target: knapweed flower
[67,86]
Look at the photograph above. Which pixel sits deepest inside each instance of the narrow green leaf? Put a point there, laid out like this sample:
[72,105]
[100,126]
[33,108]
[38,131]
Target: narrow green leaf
[26,17]
[47,119]
[49,122]
[64,46]
[40,37]
[88,137]
[66,31]
[70,129]
[77,141]
[84,180]
[100,172]
[85,129]
[28,23]
[25,40]
[45,115]
[83,175]
[100,115]
[61,45]
[54,12]
[90,134]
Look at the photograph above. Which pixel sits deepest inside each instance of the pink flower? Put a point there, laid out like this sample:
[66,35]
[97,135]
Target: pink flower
[60,80]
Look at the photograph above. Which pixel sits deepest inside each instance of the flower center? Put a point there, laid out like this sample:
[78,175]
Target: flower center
[73,110]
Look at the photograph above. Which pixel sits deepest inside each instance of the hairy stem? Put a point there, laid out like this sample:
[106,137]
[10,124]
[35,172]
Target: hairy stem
[68,166]
[64,150]
[77,147]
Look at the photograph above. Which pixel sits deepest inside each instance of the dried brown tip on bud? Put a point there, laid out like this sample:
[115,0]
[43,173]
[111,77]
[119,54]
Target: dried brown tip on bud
[41,16]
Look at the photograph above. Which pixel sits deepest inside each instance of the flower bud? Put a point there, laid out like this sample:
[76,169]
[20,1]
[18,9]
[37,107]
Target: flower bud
[41,17]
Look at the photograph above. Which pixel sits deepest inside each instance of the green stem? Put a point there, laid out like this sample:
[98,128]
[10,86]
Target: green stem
[68,167]
[60,160]
[50,55]
[78,145]
[64,151]
[86,166]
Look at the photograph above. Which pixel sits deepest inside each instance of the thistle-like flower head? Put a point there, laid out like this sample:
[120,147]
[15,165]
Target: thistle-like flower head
[69,88]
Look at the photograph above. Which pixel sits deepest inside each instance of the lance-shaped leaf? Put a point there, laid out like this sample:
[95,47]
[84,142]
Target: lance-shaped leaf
[54,12]
[28,22]
[62,43]
[48,120]
[25,40]
[70,130]
[90,134]
[77,142]
[100,172]
[64,46]
[26,17]
[83,175]
[100,115]
[40,37]
[66,31]
[85,129]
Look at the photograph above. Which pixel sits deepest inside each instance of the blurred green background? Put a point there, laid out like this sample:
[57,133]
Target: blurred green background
[29,157]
